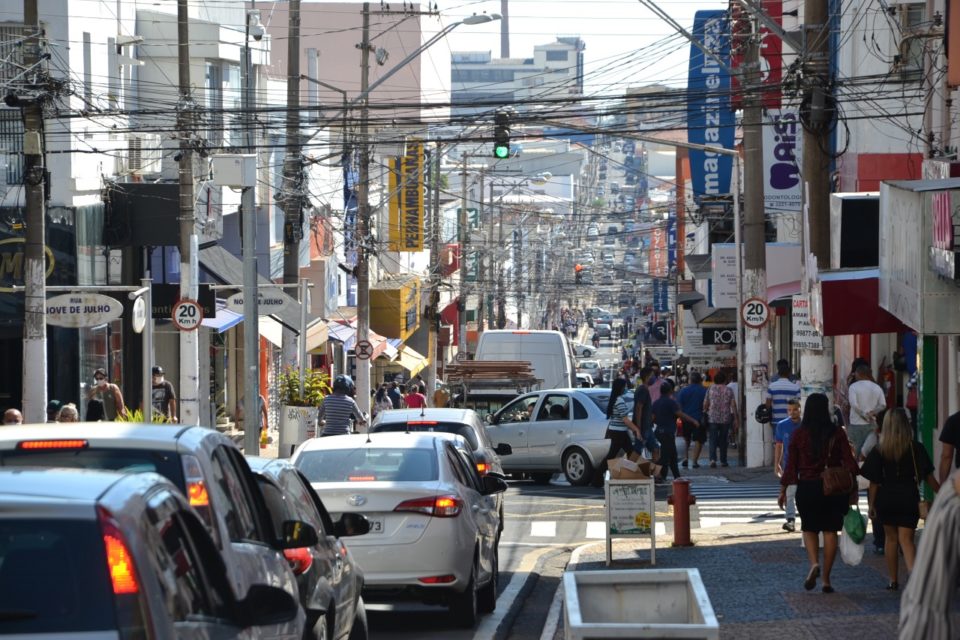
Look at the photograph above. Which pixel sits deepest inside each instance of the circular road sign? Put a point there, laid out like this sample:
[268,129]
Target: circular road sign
[187,315]
[755,313]
[364,350]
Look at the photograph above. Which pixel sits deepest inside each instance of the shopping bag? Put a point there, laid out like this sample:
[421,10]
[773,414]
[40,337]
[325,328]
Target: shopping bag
[850,551]
[855,525]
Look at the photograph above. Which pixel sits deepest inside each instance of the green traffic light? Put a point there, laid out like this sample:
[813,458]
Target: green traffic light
[501,151]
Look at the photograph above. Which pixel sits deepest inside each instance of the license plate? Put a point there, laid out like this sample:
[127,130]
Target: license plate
[376,525]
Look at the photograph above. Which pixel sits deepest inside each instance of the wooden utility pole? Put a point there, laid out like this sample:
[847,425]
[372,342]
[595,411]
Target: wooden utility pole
[35,291]
[363,218]
[433,308]
[292,179]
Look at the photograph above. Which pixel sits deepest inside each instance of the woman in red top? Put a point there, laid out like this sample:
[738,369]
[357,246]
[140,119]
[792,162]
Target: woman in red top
[818,443]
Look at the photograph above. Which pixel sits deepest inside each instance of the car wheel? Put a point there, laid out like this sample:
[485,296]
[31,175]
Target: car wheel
[463,606]
[541,478]
[577,467]
[487,596]
[587,353]
[321,629]
[359,630]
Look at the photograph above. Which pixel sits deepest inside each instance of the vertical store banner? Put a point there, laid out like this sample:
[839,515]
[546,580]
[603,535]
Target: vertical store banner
[781,145]
[710,120]
[658,252]
[771,51]
[406,200]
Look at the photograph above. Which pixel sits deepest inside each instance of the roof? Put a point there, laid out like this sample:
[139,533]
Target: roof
[431,413]
[388,440]
[132,434]
[57,484]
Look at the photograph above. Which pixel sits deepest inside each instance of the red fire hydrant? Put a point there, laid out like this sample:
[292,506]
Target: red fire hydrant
[681,501]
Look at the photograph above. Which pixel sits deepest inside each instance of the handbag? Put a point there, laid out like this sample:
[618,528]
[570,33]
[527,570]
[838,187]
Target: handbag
[924,505]
[836,480]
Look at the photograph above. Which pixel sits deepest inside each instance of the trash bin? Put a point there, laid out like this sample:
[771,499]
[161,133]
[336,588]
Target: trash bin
[641,603]
[297,424]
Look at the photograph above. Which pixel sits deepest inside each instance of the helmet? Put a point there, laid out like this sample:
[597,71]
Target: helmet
[342,384]
[763,414]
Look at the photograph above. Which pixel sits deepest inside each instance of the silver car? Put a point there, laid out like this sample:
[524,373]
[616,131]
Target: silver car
[550,431]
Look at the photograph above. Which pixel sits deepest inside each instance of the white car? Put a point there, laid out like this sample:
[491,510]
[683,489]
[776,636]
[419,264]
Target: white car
[434,526]
[593,367]
[583,350]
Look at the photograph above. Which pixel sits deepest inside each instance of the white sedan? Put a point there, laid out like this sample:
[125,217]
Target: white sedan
[434,527]
[583,350]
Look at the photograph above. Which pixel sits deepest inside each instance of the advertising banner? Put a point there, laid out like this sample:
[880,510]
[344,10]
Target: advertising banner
[661,295]
[804,335]
[407,235]
[710,120]
[658,252]
[771,51]
[781,148]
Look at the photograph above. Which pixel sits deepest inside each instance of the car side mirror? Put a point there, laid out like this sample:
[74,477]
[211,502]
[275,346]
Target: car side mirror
[296,534]
[266,605]
[490,419]
[351,524]
[493,483]
[503,449]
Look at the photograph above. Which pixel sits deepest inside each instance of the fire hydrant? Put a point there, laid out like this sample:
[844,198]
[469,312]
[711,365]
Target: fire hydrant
[681,501]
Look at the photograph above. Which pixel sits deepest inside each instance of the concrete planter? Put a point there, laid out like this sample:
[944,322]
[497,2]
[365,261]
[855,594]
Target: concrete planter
[297,424]
[643,603]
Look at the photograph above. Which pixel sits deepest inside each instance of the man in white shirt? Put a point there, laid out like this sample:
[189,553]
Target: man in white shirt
[866,400]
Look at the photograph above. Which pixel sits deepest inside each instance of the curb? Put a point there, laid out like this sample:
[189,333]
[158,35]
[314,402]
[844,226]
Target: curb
[556,605]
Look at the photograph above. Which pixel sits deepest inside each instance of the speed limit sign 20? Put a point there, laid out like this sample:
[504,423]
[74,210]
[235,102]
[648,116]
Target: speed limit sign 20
[187,315]
[755,313]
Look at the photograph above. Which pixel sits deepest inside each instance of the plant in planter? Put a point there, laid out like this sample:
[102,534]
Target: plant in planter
[298,413]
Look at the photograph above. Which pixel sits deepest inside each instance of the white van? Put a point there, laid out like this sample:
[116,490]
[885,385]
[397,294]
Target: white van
[549,353]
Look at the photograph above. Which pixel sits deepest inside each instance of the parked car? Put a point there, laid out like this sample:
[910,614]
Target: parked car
[582,350]
[550,431]
[328,578]
[593,367]
[96,554]
[607,279]
[434,527]
[603,329]
[593,230]
[205,465]
[585,380]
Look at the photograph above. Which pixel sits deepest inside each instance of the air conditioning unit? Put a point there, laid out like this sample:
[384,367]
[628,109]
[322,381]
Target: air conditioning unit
[144,154]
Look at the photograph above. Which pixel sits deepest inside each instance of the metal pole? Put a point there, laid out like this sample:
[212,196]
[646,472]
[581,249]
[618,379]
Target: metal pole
[434,295]
[463,238]
[147,350]
[363,220]
[482,307]
[491,257]
[189,346]
[302,344]
[35,298]
[251,294]
[292,189]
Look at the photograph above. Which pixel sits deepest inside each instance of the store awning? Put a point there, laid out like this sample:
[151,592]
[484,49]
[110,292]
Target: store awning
[411,360]
[271,330]
[851,304]
[687,299]
[227,269]
[347,334]
[225,319]
[705,315]
[317,334]
[700,265]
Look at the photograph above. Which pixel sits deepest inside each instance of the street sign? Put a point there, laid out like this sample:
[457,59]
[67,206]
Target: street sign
[755,313]
[77,310]
[363,350]
[139,319]
[267,302]
[187,315]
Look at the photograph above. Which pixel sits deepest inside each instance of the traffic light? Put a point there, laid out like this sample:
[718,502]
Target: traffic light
[578,273]
[501,135]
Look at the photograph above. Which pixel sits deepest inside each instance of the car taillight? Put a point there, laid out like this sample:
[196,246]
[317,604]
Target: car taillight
[447,579]
[421,422]
[437,506]
[133,614]
[483,468]
[34,445]
[197,492]
[300,559]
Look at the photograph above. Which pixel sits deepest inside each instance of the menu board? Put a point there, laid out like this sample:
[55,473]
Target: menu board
[630,508]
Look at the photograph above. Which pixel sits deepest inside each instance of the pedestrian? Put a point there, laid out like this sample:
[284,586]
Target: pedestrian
[950,443]
[720,409]
[53,408]
[107,393]
[415,399]
[816,445]
[68,413]
[619,426]
[781,389]
[643,416]
[396,394]
[381,401]
[879,541]
[337,409]
[596,340]
[262,415]
[866,400]
[691,399]
[895,468]
[163,398]
[655,381]
[95,411]
[781,447]
[12,416]
[665,411]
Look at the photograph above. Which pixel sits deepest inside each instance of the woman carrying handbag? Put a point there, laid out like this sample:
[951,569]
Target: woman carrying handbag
[894,468]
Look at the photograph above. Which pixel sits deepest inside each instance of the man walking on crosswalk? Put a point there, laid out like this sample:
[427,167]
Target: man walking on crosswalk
[781,438]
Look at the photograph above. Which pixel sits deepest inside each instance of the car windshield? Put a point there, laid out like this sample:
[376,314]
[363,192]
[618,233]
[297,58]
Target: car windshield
[53,578]
[165,463]
[369,464]
[435,426]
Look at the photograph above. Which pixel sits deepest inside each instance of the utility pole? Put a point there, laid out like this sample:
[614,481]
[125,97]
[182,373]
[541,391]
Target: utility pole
[482,310]
[464,239]
[433,308]
[251,303]
[816,367]
[363,218]
[491,267]
[292,179]
[34,279]
[759,450]
[189,401]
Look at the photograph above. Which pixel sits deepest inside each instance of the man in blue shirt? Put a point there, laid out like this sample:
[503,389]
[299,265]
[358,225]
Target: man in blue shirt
[665,411]
[691,401]
[781,447]
[781,390]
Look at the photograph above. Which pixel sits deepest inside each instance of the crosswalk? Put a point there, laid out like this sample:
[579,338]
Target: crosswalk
[741,503]
[542,531]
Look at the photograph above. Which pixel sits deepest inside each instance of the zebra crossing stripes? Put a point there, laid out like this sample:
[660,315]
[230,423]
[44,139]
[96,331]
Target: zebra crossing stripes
[741,503]
[589,530]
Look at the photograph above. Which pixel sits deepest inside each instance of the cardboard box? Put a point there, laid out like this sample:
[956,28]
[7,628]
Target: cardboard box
[625,469]
[643,465]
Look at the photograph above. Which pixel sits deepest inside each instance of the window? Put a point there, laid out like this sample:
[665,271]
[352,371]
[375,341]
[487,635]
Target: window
[557,55]
[369,464]
[457,428]
[232,501]
[519,410]
[910,57]
[579,411]
[11,146]
[555,407]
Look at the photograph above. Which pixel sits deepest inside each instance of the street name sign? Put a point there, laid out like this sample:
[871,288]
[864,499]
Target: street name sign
[268,302]
[77,310]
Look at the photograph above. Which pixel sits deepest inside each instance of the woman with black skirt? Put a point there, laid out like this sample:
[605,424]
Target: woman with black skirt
[619,412]
[894,468]
[816,445]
